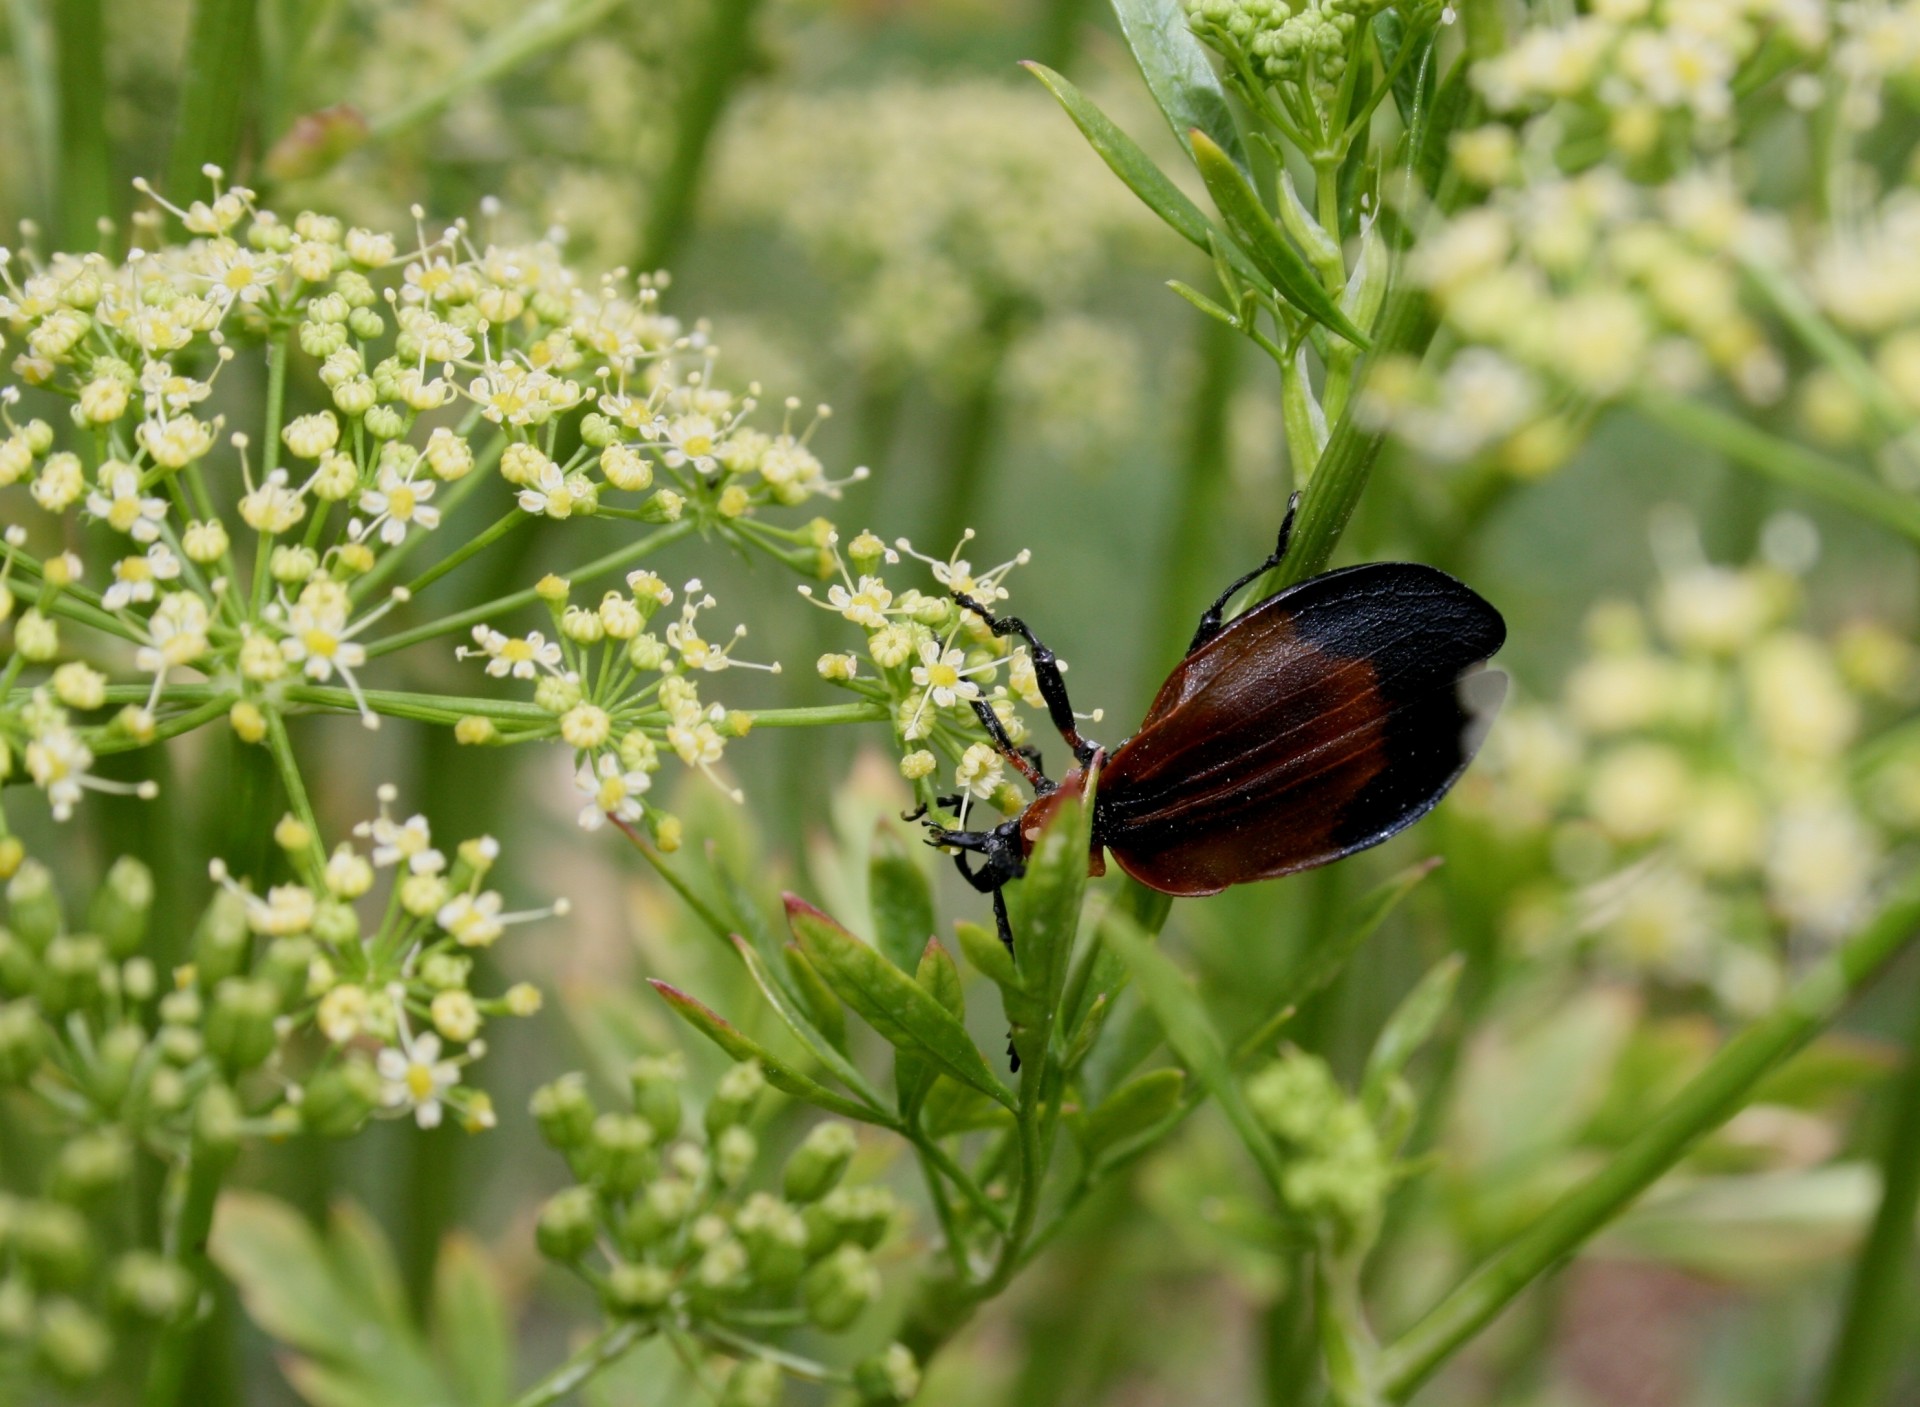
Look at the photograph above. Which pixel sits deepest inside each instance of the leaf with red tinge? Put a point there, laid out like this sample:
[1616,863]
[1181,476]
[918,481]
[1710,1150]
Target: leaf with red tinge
[905,1014]
[741,1046]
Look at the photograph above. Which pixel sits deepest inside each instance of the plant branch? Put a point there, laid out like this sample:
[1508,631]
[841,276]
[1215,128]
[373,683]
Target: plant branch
[605,1349]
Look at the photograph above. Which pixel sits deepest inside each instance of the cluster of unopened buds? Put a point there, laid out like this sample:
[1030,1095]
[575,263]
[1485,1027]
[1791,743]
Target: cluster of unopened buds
[934,662]
[666,1225]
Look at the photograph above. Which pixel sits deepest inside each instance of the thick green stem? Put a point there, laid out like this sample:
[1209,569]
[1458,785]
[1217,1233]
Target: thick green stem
[601,1353]
[1782,461]
[724,53]
[478,543]
[502,605]
[215,93]
[1713,1097]
[1879,1314]
[82,182]
[173,1351]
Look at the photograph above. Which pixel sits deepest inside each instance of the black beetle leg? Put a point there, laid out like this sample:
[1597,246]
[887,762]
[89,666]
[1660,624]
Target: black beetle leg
[1004,927]
[1210,622]
[1046,673]
[1026,760]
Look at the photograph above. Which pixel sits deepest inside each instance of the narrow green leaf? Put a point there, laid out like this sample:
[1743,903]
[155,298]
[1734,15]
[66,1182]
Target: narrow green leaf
[891,1002]
[1204,303]
[1193,1036]
[1412,1022]
[951,1107]
[988,955]
[1390,34]
[1445,113]
[1133,166]
[470,1323]
[1179,74]
[940,979]
[794,1017]
[822,1006]
[1137,1107]
[1045,909]
[218,87]
[1325,962]
[364,1265]
[741,1046]
[900,898]
[280,1267]
[1254,229]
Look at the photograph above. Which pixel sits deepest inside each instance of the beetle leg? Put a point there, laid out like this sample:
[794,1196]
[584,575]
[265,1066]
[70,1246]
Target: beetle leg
[1046,673]
[1025,760]
[1004,927]
[1210,622]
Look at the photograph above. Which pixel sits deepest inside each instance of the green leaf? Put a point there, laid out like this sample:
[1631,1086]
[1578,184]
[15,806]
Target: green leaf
[221,72]
[951,1107]
[1178,73]
[1133,166]
[904,1014]
[940,979]
[1045,910]
[1412,1022]
[1192,1034]
[988,955]
[1325,962]
[795,1019]
[900,897]
[1435,130]
[280,1267]
[1254,229]
[822,1006]
[1139,1106]
[470,1323]
[741,1046]
[364,1264]
[1204,303]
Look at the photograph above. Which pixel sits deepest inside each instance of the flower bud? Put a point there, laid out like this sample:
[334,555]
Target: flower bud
[19,969]
[754,1382]
[734,1097]
[568,1224]
[216,1126]
[657,1213]
[121,905]
[656,1093]
[819,1162]
[366,324]
[860,1215]
[385,422]
[90,1166]
[775,1236]
[116,1056]
[638,1289]
[889,1376]
[71,1343]
[723,1268]
[733,1155]
[23,1041]
[72,977]
[339,1099]
[222,940]
[33,905]
[335,924]
[564,1112]
[621,1154]
[151,1287]
[284,967]
[240,1025]
[54,1242]
[839,1287]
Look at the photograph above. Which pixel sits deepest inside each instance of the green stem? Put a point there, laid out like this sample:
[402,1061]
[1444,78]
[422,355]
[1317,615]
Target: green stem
[817,717]
[173,1350]
[270,458]
[1709,1100]
[1782,461]
[480,543]
[501,605]
[168,728]
[1486,28]
[1879,1314]
[281,746]
[602,1352]
[725,52]
[214,95]
[1826,342]
[82,182]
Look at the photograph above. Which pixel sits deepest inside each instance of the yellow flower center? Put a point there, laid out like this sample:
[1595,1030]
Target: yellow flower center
[320,642]
[400,503]
[519,651]
[419,1080]
[942,676]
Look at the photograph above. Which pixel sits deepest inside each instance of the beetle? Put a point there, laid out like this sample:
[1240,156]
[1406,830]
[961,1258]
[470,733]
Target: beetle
[1319,722]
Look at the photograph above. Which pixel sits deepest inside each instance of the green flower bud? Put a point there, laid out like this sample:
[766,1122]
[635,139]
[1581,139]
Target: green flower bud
[597,431]
[775,1236]
[180,1045]
[555,694]
[665,506]
[568,1224]
[34,905]
[23,1041]
[887,1377]
[820,1161]
[321,340]
[733,1156]
[216,1126]
[74,975]
[657,1213]
[638,1289]
[221,941]
[723,1268]
[335,924]
[385,422]
[734,1097]
[447,972]
[240,1025]
[116,1057]
[860,1215]
[70,1343]
[621,1154]
[754,1382]
[564,1112]
[91,1165]
[656,1093]
[284,966]
[151,1287]
[16,1310]
[121,905]
[19,968]
[838,1288]
[364,322]
[339,1099]
[54,1242]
